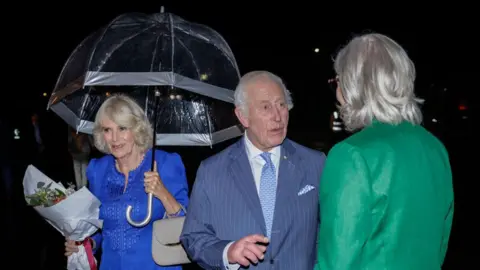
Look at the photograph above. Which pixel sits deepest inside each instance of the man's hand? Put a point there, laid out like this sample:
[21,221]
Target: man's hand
[249,249]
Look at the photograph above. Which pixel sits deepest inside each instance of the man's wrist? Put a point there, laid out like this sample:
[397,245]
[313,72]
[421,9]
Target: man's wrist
[226,263]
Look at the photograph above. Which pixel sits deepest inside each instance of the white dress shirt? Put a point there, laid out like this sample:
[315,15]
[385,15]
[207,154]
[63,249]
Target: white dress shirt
[256,164]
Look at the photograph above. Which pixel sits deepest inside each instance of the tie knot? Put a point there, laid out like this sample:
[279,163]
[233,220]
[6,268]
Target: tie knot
[266,157]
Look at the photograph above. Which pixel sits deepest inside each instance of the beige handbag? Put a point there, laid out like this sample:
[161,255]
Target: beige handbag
[166,247]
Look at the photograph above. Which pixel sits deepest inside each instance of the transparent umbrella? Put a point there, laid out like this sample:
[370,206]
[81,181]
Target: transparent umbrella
[182,73]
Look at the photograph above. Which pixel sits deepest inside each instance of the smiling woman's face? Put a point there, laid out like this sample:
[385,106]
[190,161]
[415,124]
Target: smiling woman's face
[120,140]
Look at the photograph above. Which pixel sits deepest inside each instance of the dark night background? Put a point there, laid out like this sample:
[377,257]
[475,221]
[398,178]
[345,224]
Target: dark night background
[275,37]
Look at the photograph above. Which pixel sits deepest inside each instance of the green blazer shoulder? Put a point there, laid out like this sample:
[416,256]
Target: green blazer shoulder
[386,200]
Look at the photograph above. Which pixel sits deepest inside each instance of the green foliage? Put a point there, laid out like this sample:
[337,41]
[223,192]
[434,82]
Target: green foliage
[46,196]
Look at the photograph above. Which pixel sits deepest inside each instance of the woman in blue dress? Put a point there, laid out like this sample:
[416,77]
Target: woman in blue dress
[123,177]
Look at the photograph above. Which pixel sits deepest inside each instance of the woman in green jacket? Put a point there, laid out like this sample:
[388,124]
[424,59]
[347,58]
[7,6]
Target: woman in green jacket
[386,194]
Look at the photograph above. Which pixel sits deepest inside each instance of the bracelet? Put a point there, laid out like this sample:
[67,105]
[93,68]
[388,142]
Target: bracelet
[175,214]
[92,242]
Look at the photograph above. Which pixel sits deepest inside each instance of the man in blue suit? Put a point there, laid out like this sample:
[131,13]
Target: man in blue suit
[255,204]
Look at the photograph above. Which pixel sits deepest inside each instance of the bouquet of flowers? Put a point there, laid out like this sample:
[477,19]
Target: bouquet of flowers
[75,214]
[47,196]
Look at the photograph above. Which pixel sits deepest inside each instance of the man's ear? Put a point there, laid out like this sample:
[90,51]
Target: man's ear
[241,117]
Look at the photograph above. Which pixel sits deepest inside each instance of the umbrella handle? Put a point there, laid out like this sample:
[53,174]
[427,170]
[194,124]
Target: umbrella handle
[149,214]
[150,195]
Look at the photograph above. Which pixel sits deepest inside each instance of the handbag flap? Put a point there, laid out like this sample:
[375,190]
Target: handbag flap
[167,231]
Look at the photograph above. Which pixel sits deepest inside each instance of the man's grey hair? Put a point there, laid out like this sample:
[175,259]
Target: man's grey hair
[125,112]
[240,95]
[376,78]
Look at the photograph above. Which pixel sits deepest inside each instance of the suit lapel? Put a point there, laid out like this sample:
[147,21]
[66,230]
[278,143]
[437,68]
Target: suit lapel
[290,178]
[241,173]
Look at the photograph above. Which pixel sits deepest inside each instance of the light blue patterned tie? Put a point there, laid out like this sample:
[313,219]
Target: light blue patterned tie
[268,190]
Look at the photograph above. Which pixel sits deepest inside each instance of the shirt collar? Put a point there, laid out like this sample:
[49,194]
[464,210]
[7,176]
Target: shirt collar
[253,151]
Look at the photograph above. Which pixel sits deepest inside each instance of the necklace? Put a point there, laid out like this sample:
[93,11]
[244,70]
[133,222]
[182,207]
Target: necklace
[130,170]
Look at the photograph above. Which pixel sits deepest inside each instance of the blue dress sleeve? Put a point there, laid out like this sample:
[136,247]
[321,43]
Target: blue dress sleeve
[94,186]
[172,173]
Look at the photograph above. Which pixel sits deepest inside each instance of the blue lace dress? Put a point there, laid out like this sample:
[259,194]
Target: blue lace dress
[124,246]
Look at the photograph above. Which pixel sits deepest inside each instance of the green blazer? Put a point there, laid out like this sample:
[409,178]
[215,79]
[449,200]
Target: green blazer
[386,201]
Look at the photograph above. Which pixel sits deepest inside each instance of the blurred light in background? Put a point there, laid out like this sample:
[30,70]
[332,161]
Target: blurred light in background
[16,134]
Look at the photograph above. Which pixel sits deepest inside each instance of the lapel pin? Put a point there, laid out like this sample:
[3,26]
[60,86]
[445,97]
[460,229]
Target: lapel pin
[284,157]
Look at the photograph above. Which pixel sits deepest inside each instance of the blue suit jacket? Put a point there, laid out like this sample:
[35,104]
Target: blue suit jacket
[225,207]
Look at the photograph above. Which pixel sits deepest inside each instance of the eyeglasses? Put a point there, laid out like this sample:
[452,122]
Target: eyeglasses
[333,84]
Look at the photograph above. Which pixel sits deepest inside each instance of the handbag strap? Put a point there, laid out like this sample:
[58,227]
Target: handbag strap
[181,208]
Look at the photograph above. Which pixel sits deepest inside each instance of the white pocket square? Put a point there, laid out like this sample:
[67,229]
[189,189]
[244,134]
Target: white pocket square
[305,189]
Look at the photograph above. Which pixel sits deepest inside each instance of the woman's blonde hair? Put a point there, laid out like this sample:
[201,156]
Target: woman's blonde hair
[125,112]
[376,78]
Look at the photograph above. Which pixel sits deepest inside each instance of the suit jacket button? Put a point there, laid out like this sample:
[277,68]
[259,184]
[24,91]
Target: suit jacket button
[272,261]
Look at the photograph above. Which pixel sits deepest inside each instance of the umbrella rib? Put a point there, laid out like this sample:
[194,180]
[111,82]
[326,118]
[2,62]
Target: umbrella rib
[172,35]
[191,55]
[154,56]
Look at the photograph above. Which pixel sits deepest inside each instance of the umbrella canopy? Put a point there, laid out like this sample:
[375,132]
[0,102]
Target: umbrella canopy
[189,64]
